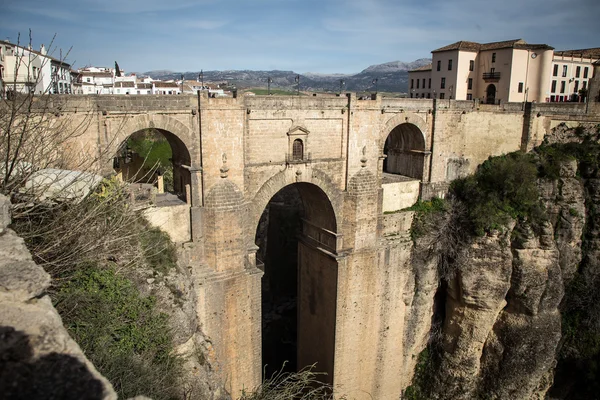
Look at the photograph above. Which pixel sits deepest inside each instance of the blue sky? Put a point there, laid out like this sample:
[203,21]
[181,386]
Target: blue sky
[324,36]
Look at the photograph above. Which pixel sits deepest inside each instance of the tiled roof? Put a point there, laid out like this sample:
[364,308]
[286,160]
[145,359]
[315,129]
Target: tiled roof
[586,53]
[506,44]
[462,45]
[427,67]
[165,84]
[99,74]
[125,84]
[37,52]
[142,85]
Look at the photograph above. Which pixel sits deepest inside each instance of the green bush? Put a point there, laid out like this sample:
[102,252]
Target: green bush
[420,387]
[502,188]
[425,214]
[120,332]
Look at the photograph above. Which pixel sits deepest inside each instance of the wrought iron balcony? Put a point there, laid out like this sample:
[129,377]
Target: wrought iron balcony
[491,76]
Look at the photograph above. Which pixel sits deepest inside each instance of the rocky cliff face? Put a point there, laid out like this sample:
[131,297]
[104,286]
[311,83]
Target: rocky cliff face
[502,330]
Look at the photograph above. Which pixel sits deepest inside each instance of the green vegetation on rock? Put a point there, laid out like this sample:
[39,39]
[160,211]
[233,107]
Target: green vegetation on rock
[502,189]
[120,332]
[94,250]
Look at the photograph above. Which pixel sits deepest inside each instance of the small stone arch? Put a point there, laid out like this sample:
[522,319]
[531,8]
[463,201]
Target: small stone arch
[177,134]
[399,119]
[405,150]
[119,129]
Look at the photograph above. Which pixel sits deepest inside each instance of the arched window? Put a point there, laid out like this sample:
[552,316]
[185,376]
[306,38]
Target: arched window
[298,150]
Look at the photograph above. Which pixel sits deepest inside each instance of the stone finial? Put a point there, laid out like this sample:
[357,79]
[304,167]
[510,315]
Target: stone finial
[363,160]
[224,168]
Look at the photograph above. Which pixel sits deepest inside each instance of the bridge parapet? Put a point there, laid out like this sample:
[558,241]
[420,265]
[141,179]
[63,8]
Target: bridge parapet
[144,103]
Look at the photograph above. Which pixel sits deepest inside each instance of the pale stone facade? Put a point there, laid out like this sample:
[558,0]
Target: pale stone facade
[509,71]
[359,314]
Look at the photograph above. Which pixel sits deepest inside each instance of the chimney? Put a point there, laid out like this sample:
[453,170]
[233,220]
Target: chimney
[43,49]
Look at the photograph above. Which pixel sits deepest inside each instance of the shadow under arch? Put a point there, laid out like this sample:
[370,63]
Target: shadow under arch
[296,239]
[405,152]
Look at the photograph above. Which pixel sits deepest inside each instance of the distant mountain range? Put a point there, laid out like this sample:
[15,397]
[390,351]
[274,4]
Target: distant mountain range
[391,77]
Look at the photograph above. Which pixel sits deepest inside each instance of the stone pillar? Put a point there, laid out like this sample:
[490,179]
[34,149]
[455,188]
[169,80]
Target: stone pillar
[230,289]
[196,187]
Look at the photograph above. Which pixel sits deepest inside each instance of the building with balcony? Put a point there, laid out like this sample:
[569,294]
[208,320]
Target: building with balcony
[25,70]
[511,70]
[508,71]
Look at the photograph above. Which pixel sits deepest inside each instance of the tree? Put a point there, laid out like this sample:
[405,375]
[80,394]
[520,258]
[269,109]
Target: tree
[36,139]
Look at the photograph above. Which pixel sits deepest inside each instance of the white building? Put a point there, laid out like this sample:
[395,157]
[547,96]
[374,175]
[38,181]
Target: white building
[25,70]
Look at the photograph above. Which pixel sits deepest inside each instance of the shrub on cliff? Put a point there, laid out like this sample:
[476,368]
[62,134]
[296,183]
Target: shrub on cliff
[502,188]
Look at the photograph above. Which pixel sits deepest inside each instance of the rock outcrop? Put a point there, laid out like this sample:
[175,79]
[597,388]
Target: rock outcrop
[502,319]
[38,358]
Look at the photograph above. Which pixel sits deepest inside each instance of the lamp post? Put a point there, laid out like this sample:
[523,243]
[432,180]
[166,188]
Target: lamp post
[342,83]
[181,83]
[201,77]
[269,80]
[375,81]
[297,79]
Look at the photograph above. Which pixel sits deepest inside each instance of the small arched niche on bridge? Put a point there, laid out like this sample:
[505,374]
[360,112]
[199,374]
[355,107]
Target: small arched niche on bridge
[157,162]
[405,153]
[297,240]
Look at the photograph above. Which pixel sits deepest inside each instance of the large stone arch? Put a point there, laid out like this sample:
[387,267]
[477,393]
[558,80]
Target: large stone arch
[288,177]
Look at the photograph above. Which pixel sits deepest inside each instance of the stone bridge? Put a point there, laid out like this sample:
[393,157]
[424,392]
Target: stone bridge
[347,165]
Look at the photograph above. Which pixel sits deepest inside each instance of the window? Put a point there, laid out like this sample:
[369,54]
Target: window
[298,150]
[1,71]
[439,65]
[443,84]
[411,95]
[469,96]
[35,72]
[520,87]
[492,70]
[553,90]
[412,83]
[584,85]
[562,86]
[442,96]
[555,72]
[576,87]
[429,85]
[564,71]
[470,84]
[423,83]
[88,80]
[493,57]
[422,95]
[471,65]
[577,71]
[585,72]
[450,65]
[428,95]
[418,80]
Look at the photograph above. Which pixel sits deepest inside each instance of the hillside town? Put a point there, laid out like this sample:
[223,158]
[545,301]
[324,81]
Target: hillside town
[506,71]
[26,70]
